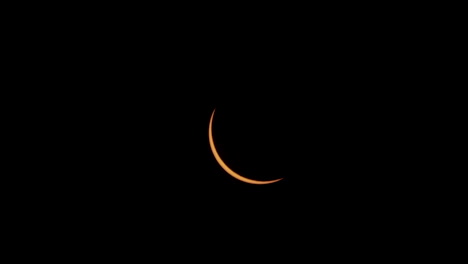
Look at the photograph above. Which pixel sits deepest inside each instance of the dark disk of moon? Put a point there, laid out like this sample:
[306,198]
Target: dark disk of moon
[224,166]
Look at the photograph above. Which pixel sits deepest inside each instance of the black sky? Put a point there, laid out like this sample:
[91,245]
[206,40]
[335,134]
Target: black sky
[326,107]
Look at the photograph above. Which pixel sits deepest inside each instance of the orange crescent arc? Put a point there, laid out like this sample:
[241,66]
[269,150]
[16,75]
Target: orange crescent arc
[224,166]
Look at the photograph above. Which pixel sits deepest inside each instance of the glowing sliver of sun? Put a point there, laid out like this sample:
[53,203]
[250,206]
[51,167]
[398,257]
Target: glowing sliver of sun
[224,166]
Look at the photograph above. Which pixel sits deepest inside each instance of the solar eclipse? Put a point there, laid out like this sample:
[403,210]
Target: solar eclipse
[223,164]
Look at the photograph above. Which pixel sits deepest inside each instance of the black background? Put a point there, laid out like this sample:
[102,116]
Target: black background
[325,105]
[142,152]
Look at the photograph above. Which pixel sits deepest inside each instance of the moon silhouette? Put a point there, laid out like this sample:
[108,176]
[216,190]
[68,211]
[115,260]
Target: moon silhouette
[224,166]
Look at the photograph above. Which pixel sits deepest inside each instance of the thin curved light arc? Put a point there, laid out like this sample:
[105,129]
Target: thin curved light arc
[226,167]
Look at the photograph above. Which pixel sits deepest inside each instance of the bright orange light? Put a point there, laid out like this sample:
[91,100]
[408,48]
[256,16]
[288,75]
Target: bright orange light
[224,166]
